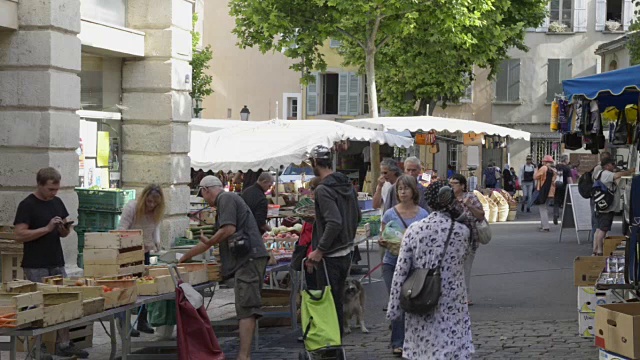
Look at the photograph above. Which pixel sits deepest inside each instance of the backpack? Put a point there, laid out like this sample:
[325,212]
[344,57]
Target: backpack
[585,184]
[603,198]
[490,176]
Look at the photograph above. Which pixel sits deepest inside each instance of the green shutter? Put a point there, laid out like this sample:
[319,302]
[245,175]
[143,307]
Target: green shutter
[513,91]
[553,79]
[502,82]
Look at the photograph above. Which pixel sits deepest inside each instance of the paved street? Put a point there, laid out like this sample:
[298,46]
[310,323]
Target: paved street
[522,287]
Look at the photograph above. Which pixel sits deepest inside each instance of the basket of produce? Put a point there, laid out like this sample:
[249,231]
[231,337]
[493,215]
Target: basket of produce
[503,206]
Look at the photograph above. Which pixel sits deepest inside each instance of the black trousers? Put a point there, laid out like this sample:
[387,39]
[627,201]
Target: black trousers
[558,201]
[337,271]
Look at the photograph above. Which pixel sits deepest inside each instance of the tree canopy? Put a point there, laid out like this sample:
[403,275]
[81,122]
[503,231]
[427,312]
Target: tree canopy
[447,37]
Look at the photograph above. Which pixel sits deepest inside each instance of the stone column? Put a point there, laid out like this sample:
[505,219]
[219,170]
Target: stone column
[39,97]
[158,107]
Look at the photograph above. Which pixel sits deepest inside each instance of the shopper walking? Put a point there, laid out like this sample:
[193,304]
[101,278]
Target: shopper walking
[405,213]
[41,220]
[526,181]
[473,213]
[507,178]
[564,178]
[444,334]
[337,218]
[145,213]
[490,176]
[546,177]
[243,254]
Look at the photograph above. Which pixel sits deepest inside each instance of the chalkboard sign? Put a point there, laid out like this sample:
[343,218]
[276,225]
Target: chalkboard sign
[586,161]
[576,212]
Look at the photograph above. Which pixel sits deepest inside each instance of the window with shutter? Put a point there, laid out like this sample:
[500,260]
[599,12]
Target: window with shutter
[561,11]
[508,81]
[557,71]
[545,24]
[628,14]
[580,16]
[354,94]
[601,14]
[343,94]
[312,96]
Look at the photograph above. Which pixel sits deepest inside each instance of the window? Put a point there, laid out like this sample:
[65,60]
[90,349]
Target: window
[508,81]
[562,11]
[613,65]
[113,12]
[614,10]
[334,94]
[100,86]
[467,98]
[557,70]
[614,15]
[452,155]
[334,44]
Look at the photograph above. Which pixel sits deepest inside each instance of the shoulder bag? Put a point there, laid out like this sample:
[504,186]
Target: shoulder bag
[422,289]
[484,232]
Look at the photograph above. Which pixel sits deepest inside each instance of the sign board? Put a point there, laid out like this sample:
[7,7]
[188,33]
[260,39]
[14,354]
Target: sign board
[586,161]
[576,212]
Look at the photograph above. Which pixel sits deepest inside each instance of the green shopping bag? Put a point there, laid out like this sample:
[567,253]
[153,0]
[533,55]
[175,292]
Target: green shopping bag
[319,317]
[162,313]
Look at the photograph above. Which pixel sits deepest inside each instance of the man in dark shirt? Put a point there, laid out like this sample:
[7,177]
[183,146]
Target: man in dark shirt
[564,179]
[246,264]
[40,222]
[257,201]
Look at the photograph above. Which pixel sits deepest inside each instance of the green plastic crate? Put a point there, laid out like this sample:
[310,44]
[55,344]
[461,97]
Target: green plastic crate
[181,241]
[98,221]
[104,200]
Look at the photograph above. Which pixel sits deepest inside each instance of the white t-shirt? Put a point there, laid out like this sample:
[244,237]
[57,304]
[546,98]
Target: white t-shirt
[366,154]
[385,190]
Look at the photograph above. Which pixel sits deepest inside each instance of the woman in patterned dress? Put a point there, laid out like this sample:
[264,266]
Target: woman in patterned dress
[444,334]
[473,213]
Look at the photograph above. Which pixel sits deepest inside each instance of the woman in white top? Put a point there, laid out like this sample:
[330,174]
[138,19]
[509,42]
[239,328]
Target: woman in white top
[146,214]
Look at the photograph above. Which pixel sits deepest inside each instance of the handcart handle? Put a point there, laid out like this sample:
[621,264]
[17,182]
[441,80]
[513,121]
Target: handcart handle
[302,278]
[175,274]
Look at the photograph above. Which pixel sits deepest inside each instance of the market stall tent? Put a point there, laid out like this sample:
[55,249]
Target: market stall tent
[614,88]
[428,123]
[275,143]
[211,125]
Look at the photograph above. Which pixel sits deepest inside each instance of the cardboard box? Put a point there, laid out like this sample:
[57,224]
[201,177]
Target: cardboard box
[589,298]
[617,327]
[586,324]
[587,269]
[606,355]
[611,243]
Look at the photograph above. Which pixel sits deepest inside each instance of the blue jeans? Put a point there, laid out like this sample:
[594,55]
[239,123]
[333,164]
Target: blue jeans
[397,326]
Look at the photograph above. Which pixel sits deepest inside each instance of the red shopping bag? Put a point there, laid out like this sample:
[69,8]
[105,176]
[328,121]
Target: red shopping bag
[196,339]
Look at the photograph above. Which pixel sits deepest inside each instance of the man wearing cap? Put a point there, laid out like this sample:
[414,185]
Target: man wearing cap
[337,218]
[605,217]
[242,252]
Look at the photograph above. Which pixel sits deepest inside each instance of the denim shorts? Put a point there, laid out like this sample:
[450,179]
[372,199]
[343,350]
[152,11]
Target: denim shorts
[38,274]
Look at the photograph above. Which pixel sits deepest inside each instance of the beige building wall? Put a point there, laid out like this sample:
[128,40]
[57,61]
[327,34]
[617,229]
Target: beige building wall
[243,76]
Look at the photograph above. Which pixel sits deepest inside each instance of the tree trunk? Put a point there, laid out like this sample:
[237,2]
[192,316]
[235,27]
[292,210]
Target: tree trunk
[432,107]
[370,69]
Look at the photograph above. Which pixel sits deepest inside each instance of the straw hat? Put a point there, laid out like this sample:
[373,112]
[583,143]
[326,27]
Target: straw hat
[548,158]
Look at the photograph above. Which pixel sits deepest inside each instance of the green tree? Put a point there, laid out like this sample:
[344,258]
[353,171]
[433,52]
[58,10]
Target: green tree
[299,28]
[633,42]
[201,82]
[419,67]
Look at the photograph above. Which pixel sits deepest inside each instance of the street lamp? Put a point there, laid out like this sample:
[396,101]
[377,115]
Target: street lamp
[244,113]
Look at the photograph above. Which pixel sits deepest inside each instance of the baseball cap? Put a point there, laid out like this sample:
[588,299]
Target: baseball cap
[208,181]
[608,161]
[321,152]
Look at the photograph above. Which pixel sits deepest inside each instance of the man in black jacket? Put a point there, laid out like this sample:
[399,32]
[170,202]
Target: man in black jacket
[256,199]
[337,218]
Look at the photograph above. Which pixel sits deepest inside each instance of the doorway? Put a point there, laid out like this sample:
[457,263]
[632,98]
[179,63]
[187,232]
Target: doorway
[330,94]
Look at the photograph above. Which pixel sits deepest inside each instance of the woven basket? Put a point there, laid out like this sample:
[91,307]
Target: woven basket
[512,215]
[493,211]
[483,201]
[502,204]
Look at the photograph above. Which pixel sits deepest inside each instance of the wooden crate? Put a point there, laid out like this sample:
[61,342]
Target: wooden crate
[162,284]
[19,309]
[93,306]
[11,266]
[99,271]
[113,256]
[116,239]
[60,307]
[82,337]
[88,292]
[190,273]
[275,297]
[7,233]
[20,287]
[214,272]
[127,292]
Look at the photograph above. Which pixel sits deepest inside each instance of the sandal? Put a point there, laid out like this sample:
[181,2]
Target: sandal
[397,352]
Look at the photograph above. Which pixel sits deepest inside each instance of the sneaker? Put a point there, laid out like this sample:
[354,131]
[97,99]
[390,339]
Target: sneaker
[71,350]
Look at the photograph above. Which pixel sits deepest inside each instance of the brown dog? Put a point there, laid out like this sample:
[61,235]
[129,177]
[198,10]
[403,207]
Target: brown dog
[353,304]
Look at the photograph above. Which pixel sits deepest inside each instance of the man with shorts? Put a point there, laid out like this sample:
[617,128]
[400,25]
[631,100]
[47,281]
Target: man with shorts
[605,217]
[40,222]
[242,252]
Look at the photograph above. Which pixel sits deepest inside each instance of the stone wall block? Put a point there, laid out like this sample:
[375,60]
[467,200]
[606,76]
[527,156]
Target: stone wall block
[173,42]
[54,89]
[173,227]
[19,168]
[41,48]
[168,138]
[64,14]
[39,129]
[159,14]
[161,169]
[169,106]
[170,74]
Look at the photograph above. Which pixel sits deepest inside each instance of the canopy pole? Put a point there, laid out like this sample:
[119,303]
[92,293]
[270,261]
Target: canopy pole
[374,148]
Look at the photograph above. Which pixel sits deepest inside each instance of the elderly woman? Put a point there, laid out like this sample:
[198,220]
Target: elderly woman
[473,213]
[405,213]
[546,186]
[445,333]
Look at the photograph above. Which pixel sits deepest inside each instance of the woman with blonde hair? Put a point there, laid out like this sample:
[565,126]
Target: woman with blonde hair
[146,214]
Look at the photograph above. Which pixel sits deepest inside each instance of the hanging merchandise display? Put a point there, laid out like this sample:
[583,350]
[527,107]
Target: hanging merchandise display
[555,115]
[472,139]
[428,138]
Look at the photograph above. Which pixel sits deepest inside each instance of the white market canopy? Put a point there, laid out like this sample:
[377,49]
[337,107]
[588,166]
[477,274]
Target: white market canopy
[211,125]
[428,123]
[275,143]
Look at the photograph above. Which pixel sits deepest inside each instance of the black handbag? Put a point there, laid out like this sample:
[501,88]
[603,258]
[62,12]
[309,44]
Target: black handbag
[422,289]
[239,244]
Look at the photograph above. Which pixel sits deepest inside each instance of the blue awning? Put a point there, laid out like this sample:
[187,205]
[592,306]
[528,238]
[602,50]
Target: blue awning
[614,88]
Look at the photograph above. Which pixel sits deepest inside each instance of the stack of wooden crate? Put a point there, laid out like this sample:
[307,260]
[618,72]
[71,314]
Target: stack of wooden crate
[10,255]
[117,252]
